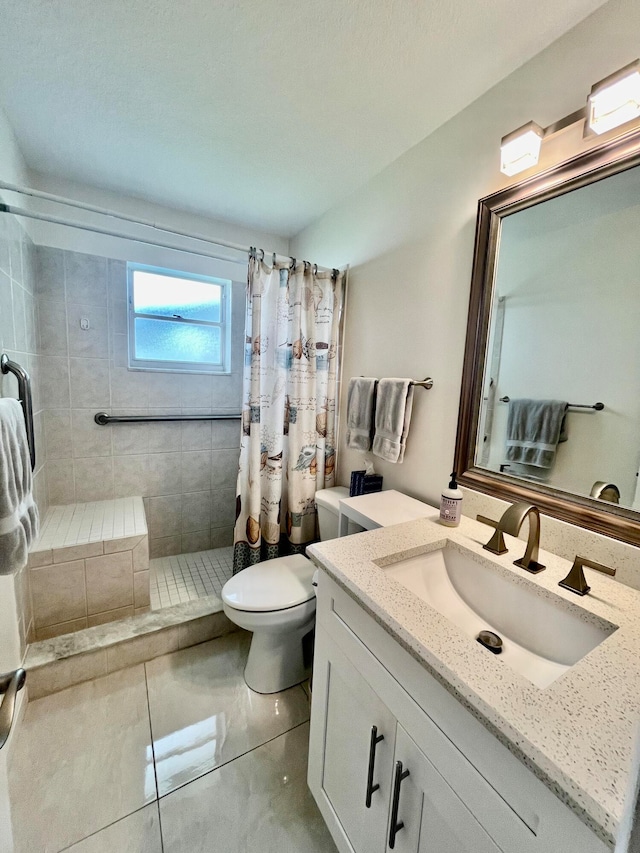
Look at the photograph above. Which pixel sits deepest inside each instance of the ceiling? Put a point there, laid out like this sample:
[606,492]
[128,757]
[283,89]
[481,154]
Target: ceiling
[261,112]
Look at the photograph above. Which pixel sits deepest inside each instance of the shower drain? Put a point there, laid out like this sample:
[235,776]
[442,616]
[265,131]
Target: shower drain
[490,641]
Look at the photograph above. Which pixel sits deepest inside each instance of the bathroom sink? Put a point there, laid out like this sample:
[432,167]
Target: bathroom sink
[542,636]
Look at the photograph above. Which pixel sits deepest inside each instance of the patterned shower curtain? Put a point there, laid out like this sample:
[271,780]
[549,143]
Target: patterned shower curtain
[288,442]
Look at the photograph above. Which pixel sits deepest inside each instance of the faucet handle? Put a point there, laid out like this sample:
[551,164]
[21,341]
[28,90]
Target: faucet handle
[496,543]
[576,582]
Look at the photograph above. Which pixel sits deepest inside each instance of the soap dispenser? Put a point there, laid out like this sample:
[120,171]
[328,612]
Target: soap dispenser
[451,504]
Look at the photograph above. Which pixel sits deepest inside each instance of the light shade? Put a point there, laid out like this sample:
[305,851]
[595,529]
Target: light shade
[520,149]
[615,100]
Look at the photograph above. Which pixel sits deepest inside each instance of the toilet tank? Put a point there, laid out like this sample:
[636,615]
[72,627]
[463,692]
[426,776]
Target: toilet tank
[328,506]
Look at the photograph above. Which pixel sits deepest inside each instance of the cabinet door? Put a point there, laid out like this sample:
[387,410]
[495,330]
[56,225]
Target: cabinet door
[434,819]
[351,750]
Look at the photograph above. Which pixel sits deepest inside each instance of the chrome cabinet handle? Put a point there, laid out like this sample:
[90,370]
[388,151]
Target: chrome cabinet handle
[10,684]
[375,740]
[396,826]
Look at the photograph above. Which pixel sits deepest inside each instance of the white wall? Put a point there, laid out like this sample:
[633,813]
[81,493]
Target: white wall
[12,166]
[409,233]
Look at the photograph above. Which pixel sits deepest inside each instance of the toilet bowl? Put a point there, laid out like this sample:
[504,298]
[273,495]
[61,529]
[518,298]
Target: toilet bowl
[275,600]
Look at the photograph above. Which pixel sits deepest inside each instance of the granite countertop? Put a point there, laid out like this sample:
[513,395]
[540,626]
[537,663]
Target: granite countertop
[577,734]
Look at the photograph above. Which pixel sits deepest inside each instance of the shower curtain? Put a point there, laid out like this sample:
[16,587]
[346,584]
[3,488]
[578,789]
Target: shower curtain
[287,451]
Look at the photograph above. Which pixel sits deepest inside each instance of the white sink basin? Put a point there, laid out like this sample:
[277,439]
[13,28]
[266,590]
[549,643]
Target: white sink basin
[542,635]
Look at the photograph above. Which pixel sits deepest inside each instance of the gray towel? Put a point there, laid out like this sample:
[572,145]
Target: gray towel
[534,430]
[18,512]
[393,416]
[361,398]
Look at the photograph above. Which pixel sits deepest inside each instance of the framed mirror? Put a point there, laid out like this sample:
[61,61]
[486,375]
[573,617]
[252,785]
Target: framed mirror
[550,401]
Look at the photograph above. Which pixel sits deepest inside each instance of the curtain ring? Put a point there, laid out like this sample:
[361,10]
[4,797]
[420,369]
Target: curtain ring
[262,258]
[315,269]
[292,265]
[252,252]
[307,266]
[335,274]
[273,263]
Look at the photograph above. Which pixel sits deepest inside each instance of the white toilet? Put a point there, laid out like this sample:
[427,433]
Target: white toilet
[275,600]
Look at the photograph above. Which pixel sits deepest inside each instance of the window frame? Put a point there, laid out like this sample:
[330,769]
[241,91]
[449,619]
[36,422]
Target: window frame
[222,367]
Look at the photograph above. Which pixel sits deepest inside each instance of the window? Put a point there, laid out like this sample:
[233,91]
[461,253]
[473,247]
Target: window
[178,321]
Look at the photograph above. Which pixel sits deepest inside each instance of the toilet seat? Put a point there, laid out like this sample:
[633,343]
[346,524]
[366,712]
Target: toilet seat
[271,586]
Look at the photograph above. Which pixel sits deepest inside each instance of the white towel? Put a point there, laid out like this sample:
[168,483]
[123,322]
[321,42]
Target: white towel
[393,416]
[361,398]
[18,512]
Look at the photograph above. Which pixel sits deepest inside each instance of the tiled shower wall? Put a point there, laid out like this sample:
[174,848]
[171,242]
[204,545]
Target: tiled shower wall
[186,472]
[18,338]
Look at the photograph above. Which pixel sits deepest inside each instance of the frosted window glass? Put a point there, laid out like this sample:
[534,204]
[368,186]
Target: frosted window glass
[167,297]
[162,340]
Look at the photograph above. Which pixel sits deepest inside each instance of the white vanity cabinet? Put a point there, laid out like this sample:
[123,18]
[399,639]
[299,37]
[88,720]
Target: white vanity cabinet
[365,759]
[376,714]
[358,750]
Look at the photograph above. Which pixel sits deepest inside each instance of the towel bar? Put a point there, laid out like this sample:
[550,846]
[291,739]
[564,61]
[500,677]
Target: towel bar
[597,406]
[427,383]
[24,395]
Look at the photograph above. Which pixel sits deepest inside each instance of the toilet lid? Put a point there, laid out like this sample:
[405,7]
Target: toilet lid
[272,585]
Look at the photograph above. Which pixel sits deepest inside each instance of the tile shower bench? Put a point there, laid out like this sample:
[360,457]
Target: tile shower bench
[89,566]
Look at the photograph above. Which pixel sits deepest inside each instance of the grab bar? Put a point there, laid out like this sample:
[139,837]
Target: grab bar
[10,684]
[103,419]
[24,395]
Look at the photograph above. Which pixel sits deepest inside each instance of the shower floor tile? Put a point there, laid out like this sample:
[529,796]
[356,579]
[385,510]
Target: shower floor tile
[187,577]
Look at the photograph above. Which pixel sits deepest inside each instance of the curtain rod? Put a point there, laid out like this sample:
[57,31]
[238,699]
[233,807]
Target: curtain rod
[147,223]
[147,241]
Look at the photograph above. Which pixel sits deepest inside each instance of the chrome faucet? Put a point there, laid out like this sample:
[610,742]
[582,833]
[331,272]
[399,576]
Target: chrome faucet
[576,582]
[510,523]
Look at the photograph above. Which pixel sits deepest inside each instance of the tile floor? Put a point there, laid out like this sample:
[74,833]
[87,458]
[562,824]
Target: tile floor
[173,756]
[185,577]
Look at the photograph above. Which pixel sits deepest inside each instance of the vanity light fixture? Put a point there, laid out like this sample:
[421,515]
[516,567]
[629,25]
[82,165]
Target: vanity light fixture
[613,101]
[520,149]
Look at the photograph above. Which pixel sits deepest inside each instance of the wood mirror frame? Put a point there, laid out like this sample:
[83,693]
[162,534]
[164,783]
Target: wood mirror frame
[593,165]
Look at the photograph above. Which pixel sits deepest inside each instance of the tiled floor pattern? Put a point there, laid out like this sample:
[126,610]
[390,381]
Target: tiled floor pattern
[173,756]
[185,577]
